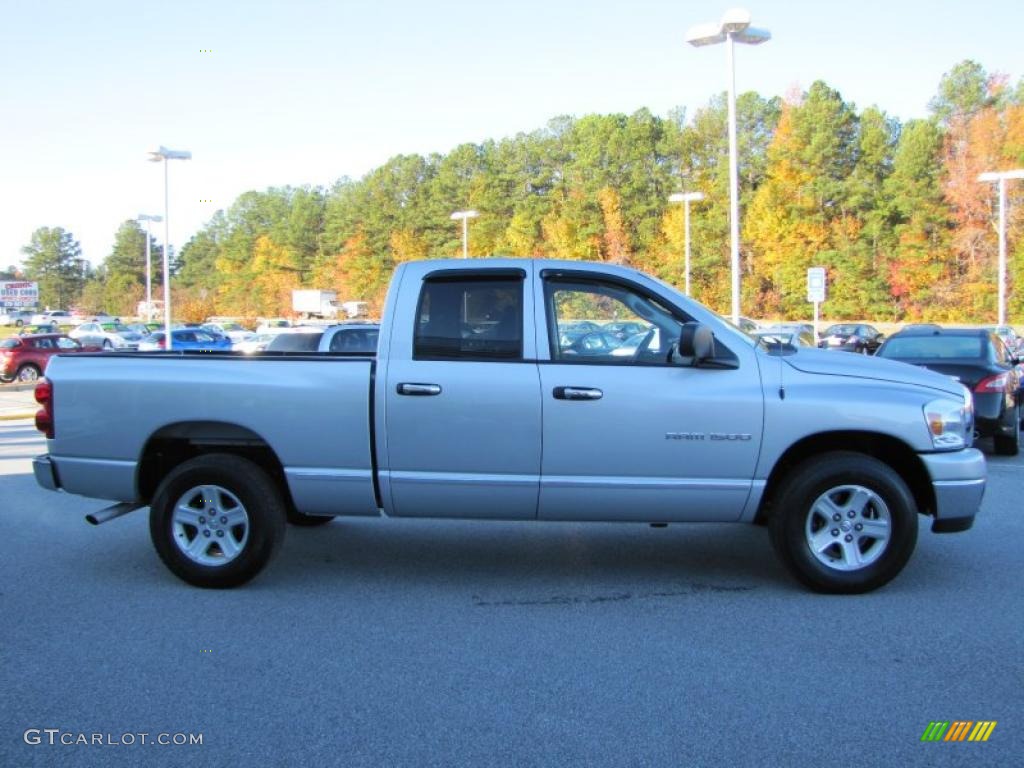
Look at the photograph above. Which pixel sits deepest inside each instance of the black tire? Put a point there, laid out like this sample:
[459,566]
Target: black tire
[28,373]
[1009,445]
[235,480]
[18,323]
[107,344]
[884,502]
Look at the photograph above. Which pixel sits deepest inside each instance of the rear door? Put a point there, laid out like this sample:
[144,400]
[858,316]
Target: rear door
[462,422]
[632,436]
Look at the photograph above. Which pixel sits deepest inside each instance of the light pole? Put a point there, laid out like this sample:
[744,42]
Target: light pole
[163,154]
[1001,177]
[733,28]
[465,216]
[686,198]
[149,263]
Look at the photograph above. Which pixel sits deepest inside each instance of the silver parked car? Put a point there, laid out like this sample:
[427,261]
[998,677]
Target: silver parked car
[107,336]
[15,317]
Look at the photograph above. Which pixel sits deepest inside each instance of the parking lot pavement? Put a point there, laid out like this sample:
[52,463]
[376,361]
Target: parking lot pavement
[17,401]
[419,643]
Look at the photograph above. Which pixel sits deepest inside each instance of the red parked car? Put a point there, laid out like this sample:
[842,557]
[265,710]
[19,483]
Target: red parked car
[25,357]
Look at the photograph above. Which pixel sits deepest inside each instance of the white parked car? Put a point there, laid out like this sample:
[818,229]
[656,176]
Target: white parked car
[233,331]
[52,317]
[273,325]
[257,343]
[107,335]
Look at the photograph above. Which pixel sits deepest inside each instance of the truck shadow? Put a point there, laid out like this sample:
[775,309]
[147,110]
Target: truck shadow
[708,557]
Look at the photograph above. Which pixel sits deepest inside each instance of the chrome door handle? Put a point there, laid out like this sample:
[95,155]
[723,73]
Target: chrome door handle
[577,393]
[420,390]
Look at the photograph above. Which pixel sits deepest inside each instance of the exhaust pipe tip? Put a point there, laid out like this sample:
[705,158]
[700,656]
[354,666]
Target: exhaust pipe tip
[116,510]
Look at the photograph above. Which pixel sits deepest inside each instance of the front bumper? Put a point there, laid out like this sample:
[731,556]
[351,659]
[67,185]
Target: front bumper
[958,480]
[45,472]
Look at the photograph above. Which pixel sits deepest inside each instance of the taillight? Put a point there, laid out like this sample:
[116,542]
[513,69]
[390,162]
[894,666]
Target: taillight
[997,383]
[44,416]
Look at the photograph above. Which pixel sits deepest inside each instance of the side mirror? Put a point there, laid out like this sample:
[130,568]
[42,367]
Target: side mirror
[696,344]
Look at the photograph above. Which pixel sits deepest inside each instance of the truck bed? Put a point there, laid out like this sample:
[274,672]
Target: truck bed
[314,411]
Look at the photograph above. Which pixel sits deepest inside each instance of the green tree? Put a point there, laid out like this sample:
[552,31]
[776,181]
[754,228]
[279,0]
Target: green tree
[921,223]
[963,91]
[53,258]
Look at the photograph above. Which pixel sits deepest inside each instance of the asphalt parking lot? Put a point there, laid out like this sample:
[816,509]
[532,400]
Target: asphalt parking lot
[418,643]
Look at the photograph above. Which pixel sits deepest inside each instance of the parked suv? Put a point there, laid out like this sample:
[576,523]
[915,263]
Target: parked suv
[25,357]
[356,339]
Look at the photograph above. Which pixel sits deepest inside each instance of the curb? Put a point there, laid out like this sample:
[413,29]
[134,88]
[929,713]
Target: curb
[16,416]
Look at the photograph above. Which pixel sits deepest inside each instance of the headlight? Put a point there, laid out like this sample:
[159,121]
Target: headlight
[951,424]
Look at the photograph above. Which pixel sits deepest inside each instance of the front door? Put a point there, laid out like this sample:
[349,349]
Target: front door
[630,435]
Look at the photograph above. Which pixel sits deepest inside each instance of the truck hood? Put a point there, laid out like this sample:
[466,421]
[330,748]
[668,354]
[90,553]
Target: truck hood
[827,363]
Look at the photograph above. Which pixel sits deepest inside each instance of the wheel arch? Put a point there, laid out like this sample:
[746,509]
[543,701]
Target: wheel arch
[173,444]
[890,450]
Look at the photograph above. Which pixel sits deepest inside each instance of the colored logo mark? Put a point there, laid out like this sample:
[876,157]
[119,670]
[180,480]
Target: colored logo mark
[959,730]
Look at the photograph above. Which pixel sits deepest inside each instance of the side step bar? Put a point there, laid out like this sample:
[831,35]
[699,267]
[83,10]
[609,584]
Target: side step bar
[104,515]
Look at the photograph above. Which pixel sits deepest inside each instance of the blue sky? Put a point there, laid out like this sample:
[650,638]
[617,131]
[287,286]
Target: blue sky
[304,92]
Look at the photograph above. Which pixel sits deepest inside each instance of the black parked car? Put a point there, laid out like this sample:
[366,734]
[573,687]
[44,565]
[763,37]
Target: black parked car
[852,337]
[978,359]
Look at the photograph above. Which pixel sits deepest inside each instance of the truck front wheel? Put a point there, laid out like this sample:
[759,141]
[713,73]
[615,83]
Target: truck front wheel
[216,520]
[844,523]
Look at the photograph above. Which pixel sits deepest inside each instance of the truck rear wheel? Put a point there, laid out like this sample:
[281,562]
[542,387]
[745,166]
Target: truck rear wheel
[844,523]
[216,520]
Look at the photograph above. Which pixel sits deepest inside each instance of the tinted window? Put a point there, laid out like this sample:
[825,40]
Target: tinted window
[295,342]
[933,347]
[360,340]
[999,351]
[475,319]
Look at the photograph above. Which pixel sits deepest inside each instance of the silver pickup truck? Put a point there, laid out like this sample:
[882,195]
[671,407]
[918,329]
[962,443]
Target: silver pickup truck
[513,389]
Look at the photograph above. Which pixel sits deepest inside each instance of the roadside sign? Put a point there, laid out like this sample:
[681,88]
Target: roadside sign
[816,284]
[17,294]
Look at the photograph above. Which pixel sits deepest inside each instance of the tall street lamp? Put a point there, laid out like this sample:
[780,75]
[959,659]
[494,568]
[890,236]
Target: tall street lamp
[149,262]
[1001,177]
[163,154]
[686,198]
[733,28]
[465,216]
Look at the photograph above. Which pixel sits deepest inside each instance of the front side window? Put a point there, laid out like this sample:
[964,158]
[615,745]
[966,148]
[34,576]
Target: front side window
[608,323]
[470,319]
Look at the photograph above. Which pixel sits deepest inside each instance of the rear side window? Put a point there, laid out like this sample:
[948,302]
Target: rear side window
[470,319]
[295,342]
[9,344]
[355,340]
